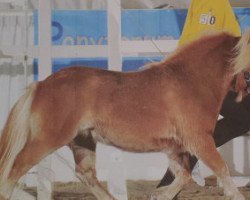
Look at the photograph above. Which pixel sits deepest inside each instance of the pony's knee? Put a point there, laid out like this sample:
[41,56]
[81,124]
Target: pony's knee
[182,175]
[182,178]
[185,177]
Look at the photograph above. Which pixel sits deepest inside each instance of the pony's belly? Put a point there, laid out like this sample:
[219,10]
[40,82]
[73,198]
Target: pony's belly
[136,142]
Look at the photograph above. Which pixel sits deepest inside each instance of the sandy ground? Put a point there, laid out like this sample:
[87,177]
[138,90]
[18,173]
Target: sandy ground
[140,190]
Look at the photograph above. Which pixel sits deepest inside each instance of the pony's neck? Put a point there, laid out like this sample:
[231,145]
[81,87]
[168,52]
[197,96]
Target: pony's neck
[207,62]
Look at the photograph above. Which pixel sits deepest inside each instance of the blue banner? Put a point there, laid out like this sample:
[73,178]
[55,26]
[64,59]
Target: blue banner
[89,27]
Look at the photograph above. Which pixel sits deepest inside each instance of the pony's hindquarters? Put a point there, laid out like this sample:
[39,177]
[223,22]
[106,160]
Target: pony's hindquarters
[14,136]
[34,129]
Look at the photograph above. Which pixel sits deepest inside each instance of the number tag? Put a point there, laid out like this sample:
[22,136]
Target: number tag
[207,19]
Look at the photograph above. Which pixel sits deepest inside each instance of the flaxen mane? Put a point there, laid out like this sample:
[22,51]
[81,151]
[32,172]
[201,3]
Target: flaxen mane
[242,53]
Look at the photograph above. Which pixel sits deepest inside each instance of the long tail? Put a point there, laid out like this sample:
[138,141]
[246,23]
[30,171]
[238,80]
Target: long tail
[15,133]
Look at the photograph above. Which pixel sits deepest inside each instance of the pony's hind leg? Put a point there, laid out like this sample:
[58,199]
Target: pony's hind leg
[43,142]
[83,147]
[205,149]
[179,165]
[31,154]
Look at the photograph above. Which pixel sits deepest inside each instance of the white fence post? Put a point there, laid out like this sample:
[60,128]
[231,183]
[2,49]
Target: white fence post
[114,35]
[116,176]
[44,186]
[44,21]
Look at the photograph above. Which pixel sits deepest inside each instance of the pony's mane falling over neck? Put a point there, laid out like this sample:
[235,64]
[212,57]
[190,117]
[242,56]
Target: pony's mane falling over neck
[205,40]
[241,51]
[209,38]
[241,61]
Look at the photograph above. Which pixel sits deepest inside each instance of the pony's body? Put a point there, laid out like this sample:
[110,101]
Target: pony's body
[171,106]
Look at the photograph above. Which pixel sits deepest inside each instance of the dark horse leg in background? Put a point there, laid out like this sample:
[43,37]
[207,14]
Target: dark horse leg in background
[236,122]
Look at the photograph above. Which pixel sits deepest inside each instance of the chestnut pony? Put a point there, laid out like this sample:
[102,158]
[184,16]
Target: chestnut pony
[171,106]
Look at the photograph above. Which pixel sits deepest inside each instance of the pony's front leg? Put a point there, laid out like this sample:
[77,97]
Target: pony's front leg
[179,165]
[205,149]
[85,171]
